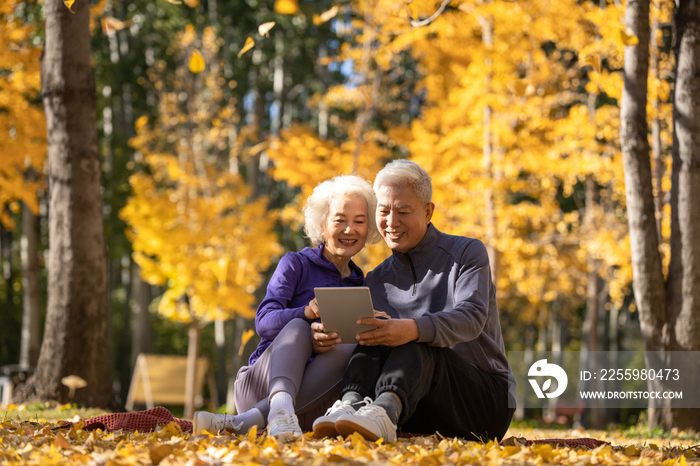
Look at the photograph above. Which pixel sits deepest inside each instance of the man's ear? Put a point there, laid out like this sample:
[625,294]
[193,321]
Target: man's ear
[429,209]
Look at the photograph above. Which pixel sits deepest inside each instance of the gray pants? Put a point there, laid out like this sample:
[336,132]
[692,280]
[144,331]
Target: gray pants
[285,366]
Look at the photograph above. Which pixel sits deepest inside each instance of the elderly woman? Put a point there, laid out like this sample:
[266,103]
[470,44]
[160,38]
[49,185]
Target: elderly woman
[284,376]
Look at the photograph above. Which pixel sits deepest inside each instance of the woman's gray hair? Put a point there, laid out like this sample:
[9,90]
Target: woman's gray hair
[404,172]
[318,206]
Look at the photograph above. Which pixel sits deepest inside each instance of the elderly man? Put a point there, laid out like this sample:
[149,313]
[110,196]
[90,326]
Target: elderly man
[439,363]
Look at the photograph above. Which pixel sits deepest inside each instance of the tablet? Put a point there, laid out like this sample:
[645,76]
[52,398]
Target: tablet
[340,308]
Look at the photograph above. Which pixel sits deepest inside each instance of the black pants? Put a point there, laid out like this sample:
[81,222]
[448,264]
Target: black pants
[439,391]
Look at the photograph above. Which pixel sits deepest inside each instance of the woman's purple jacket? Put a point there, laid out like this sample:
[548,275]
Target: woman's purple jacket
[291,288]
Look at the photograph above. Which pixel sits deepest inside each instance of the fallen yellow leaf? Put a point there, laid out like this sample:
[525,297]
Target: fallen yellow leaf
[159,452]
[173,429]
[249,44]
[61,442]
[69,4]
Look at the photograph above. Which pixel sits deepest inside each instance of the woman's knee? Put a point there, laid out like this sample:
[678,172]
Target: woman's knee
[295,329]
[298,325]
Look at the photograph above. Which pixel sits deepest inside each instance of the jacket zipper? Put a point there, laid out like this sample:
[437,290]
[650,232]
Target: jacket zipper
[415,278]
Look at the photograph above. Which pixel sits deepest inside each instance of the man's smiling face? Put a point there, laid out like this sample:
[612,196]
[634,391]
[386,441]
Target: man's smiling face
[402,218]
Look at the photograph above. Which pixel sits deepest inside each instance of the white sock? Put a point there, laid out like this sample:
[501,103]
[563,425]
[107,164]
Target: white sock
[280,400]
[244,421]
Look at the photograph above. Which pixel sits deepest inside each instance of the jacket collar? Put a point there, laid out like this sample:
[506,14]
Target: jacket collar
[316,256]
[422,252]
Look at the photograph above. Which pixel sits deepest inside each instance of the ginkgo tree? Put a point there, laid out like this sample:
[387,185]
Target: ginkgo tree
[508,134]
[194,225]
[22,123]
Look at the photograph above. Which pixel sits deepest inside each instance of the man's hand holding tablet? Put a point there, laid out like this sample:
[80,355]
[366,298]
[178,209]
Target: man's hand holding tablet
[340,310]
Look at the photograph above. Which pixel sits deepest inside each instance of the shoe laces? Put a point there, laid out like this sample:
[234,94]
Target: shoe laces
[372,411]
[222,421]
[346,406]
[286,421]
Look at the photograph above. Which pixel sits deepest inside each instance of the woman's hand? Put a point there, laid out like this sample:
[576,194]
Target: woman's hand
[311,311]
[321,341]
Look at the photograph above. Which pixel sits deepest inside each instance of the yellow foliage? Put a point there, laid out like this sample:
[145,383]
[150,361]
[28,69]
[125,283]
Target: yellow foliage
[22,125]
[193,222]
[542,140]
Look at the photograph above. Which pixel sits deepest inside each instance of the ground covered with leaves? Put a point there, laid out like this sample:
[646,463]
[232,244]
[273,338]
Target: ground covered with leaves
[44,442]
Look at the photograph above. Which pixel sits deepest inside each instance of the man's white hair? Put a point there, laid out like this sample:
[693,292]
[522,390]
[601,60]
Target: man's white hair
[318,206]
[404,172]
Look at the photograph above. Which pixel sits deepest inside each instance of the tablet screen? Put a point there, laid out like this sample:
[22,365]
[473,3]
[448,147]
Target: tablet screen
[340,308]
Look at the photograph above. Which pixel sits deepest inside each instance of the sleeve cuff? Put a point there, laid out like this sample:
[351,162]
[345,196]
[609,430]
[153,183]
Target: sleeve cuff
[299,313]
[426,329]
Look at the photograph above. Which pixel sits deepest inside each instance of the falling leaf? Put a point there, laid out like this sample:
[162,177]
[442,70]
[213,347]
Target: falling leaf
[626,38]
[287,7]
[112,25]
[245,338]
[326,15]
[192,3]
[249,44]
[69,4]
[595,62]
[175,2]
[196,62]
[264,28]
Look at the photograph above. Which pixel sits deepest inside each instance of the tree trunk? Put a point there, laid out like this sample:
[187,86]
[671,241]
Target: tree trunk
[646,263]
[221,376]
[6,259]
[31,311]
[687,131]
[191,375]
[687,126]
[669,313]
[141,318]
[76,319]
[592,297]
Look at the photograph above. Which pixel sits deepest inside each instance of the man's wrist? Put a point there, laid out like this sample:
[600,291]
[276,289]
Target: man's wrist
[426,329]
[415,330]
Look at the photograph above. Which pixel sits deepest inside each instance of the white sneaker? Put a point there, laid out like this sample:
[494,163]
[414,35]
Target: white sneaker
[324,426]
[371,421]
[284,427]
[211,422]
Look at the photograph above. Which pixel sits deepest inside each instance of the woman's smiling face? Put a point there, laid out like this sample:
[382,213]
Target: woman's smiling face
[345,229]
